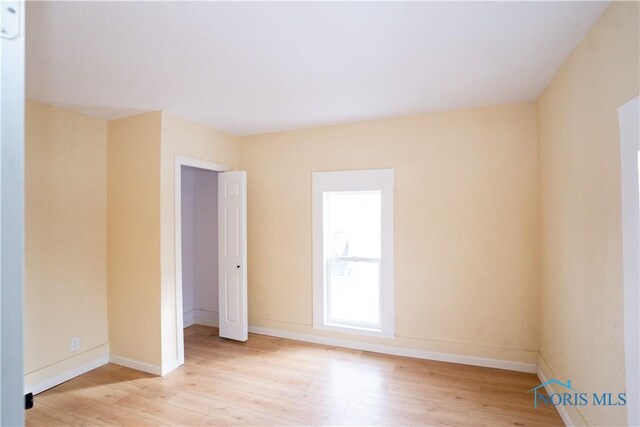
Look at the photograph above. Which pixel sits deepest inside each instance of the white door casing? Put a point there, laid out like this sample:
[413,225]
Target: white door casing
[12,41]
[628,116]
[232,255]
[201,164]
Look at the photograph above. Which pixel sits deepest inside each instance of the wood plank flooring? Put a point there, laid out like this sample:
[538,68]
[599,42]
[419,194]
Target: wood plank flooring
[278,382]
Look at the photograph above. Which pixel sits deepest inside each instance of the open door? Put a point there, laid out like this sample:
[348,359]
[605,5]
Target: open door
[232,255]
[12,37]
[628,117]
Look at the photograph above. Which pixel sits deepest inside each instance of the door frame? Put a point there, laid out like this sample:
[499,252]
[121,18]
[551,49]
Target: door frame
[177,227]
[630,197]
[12,48]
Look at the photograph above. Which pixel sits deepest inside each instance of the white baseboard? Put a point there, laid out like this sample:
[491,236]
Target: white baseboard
[187,318]
[137,365]
[399,351]
[206,317]
[68,375]
[143,366]
[569,414]
[201,317]
[205,322]
[562,410]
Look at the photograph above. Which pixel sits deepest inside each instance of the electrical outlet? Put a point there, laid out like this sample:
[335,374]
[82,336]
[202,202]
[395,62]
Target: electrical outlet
[75,343]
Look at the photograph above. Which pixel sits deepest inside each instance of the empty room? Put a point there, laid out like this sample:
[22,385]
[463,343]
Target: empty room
[320,213]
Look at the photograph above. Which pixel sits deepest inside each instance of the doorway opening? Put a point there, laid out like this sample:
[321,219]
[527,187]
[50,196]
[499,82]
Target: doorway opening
[199,195]
[210,249]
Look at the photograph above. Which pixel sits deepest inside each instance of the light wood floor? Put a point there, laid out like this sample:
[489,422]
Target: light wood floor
[272,381]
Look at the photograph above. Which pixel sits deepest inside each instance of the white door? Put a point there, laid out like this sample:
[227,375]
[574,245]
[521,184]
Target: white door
[11,212]
[232,255]
[628,116]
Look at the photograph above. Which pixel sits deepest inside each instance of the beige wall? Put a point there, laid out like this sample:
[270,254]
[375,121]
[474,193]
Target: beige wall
[466,226]
[66,240]
[133,255]
[185,138]
[141,171]
[581,258]
[482,197]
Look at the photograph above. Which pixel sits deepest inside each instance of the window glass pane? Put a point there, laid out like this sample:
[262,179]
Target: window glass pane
[354,223]
[354,292]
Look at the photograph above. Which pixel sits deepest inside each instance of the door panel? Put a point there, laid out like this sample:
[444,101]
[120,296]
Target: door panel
[232,219]
[629,123]
[233,299]
[232,257]
[12,37]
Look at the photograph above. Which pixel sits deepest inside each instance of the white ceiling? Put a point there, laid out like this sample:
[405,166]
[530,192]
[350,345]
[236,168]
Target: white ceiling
[250,68]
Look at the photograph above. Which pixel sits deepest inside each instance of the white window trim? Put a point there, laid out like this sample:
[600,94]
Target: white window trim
[360,180]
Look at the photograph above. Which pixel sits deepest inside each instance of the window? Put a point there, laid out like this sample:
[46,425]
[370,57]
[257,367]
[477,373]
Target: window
[353,251]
